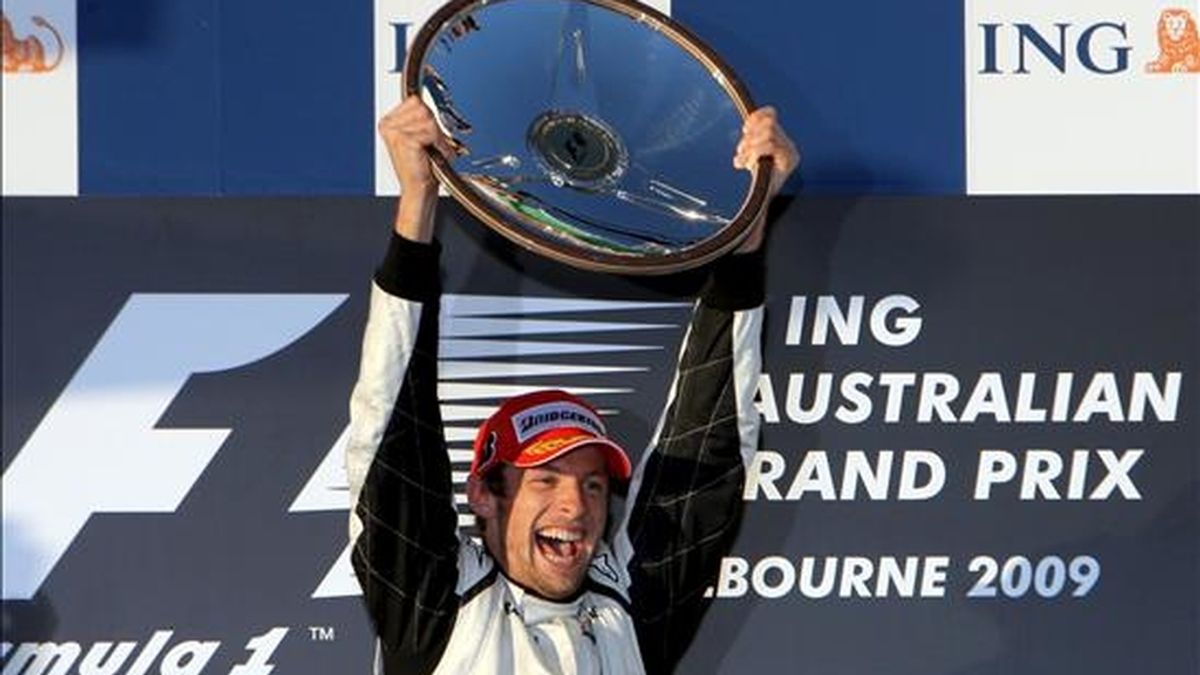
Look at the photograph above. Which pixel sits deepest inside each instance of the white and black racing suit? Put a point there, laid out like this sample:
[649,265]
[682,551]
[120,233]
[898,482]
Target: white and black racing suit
[439,602]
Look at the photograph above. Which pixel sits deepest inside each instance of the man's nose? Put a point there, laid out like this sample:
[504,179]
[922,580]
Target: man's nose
[571,501]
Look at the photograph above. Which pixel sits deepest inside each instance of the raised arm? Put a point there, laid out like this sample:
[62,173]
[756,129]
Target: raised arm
[403,523]
[685,501]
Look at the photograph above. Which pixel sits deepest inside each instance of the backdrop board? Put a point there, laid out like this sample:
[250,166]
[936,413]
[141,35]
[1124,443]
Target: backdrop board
[979,452]
[980,97]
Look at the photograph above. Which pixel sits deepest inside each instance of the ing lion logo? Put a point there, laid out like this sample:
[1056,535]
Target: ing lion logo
[28,54]
[1178,44]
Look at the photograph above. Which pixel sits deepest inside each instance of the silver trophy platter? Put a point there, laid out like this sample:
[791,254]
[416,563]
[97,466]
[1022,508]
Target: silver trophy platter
[599,133]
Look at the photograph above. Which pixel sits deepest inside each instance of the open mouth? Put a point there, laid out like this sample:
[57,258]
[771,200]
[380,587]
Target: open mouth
[559,545]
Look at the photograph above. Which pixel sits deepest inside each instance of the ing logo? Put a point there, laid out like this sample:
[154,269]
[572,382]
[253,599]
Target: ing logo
[28,54]
[1178,44]
[1101,48]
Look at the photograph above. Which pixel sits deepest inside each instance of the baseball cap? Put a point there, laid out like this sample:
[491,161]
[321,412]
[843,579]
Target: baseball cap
[539,427]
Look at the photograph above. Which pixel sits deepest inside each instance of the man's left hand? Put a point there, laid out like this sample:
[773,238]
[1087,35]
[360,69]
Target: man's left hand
[763,136]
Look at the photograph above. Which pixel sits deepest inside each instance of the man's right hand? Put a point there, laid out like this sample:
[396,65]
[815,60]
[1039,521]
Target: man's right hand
[407,130]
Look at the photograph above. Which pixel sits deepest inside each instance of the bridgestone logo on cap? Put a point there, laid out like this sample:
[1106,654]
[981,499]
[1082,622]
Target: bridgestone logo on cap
[533,421]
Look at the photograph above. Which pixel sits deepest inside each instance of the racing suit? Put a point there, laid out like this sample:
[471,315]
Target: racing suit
[440,603]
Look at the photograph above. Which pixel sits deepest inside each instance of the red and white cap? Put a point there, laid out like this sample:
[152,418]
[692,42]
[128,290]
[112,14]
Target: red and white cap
[532,429]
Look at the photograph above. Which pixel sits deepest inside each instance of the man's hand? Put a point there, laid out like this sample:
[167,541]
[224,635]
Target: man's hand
[763,136]
[407,130]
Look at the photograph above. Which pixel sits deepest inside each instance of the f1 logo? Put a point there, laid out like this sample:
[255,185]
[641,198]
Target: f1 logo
[97,451]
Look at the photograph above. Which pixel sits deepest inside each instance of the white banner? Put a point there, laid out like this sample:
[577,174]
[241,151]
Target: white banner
[1082,98]
[41,111]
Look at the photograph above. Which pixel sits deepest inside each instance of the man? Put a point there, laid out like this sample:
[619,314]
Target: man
[548,591]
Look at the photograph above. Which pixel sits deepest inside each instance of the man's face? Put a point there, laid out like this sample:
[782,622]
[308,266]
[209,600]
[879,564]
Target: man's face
[545,528]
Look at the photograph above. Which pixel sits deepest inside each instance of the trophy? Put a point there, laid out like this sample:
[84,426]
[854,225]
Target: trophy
[598,133]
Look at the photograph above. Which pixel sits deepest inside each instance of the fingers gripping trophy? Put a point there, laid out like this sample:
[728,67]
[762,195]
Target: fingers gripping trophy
[551,585]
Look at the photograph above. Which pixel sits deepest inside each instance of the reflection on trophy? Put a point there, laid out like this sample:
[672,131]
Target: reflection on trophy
[595,132]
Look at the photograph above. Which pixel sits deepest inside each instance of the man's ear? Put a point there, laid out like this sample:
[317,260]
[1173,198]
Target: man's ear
[480,498]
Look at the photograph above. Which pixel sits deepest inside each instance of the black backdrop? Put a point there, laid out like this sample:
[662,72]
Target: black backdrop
[1104,288]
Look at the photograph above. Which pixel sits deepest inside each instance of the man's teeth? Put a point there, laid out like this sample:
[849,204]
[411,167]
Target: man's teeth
[560,535]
